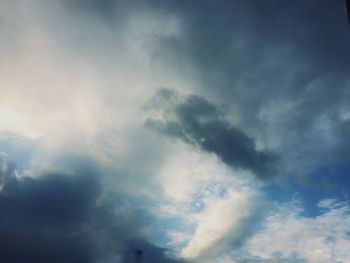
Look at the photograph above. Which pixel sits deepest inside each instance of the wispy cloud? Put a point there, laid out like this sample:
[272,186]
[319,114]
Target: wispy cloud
[289,234]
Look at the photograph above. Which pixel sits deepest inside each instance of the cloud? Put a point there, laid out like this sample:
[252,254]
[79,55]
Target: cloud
[74,83]
[75,75]
[200,123]
[149,254]
[271,68]
[281,68]
[286,233]
[207,208]
[65,218]
[225,223]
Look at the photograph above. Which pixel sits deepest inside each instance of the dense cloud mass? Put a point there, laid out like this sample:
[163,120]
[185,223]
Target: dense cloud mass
[254,116]
[62,218]
[283,68]
[201,123]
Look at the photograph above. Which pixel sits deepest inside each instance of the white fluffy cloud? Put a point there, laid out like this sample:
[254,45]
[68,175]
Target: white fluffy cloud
[218,207]
[69,78]
[74,83]
[223,223]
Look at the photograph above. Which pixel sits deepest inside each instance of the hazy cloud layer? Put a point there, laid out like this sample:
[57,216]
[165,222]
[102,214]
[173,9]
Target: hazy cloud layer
[257,87]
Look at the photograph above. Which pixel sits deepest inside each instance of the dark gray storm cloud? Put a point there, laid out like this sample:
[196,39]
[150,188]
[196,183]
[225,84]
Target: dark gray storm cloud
[348,10]
[63,218]
[237,36]
[141,252]
[104,8]
[258,52]
[253,53]
[201,123]
[282,66]
[262,58]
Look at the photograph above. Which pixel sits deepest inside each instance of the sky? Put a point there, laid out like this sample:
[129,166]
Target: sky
[163,131]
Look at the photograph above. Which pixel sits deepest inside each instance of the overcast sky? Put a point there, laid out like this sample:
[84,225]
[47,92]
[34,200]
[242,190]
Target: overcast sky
[174,131]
